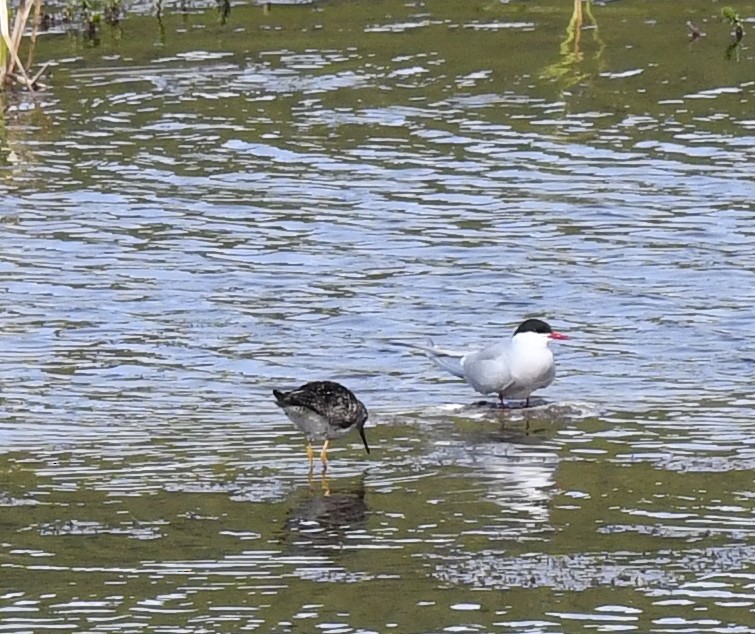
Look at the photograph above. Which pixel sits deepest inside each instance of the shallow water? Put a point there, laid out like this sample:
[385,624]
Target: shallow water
[192,217]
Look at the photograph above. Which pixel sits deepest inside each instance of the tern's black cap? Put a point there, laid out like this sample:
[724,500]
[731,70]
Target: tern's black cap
[534,325]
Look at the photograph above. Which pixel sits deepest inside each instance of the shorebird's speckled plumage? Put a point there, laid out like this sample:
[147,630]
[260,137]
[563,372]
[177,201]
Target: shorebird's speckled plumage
[323,410]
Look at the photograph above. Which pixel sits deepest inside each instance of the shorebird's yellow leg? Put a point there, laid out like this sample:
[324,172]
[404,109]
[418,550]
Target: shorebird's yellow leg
[325,485]
[311,456]
[324,456]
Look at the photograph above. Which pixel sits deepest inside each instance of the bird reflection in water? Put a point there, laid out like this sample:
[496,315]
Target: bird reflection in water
[517,421]
[321,516]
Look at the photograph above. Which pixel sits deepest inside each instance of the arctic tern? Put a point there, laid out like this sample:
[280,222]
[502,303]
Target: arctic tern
[512,368]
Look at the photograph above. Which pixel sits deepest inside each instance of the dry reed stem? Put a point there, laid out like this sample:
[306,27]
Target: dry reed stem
[33,38]
[3,32]
[22,17]
[13,42]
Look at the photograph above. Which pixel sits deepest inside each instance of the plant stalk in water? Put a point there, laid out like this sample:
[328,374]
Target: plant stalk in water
[733,18]
[11,34]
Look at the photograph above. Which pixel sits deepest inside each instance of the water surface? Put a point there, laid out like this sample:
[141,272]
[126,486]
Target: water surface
[194,215]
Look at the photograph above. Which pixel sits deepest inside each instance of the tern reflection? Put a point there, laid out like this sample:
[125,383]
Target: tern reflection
[509,457]
[519,468]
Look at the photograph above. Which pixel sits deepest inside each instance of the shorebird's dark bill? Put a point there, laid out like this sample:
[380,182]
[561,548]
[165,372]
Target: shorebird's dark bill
[364,439]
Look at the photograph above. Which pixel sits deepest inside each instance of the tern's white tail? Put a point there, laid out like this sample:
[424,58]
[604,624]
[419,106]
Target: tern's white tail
[436,355]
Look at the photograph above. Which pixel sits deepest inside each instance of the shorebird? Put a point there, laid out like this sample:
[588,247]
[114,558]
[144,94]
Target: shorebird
[323,410]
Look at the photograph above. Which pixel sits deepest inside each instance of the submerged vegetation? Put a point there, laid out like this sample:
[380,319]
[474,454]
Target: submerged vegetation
[732,17]
[580,58]
[87,16]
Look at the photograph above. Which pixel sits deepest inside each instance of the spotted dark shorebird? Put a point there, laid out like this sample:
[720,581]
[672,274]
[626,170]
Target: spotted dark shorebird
[323,410]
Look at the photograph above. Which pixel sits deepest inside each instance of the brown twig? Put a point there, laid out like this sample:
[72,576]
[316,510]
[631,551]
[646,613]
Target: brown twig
[39,73]
[25,81]
[19,24]
[694,32]
[15,62]
[34,28]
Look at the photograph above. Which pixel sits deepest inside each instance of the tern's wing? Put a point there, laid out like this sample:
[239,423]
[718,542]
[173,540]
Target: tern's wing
[488,369]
